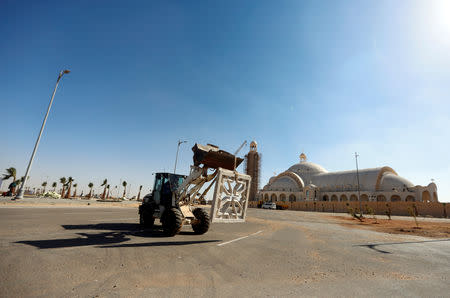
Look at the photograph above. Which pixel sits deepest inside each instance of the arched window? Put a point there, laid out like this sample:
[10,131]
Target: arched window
[410,199]
[291,198]
[396,198]
[273,197]
[426,196]
[381,198]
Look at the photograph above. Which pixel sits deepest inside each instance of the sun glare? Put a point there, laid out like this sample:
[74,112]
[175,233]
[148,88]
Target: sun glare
[439,19]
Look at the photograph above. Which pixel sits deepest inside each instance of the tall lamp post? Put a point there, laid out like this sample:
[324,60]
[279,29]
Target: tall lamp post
[176,157]
[22,187]
[357,177]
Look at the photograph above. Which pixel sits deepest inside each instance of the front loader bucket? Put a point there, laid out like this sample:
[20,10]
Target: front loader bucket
[211,157]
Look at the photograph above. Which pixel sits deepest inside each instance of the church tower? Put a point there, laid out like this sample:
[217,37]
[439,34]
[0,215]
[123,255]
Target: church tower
[252,168]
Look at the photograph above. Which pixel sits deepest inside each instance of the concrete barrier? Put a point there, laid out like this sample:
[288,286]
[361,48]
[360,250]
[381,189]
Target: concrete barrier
[380,208]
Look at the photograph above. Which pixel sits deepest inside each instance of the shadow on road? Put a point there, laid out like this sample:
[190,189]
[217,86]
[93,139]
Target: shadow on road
[120,232]
[83,240]
[128,228]
[105,226]
[374,246]
[162,243]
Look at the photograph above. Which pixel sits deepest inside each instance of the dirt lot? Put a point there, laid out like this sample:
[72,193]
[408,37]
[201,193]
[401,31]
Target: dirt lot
[423,228]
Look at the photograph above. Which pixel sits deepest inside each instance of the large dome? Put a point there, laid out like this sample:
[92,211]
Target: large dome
[307,168]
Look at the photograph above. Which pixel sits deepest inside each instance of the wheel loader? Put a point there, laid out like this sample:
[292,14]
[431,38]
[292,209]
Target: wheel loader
[173,196]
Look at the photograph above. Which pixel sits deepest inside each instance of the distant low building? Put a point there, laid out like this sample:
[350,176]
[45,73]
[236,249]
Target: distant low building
[307,181]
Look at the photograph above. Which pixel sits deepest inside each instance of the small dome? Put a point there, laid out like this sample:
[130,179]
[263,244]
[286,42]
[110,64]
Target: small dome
[272,179]
[391,181]
[303,157]
[283,183]
[253,146]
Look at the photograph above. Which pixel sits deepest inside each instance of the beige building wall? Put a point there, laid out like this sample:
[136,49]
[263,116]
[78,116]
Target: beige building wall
[435,209]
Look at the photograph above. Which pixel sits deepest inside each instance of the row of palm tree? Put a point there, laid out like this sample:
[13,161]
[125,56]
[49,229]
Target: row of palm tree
[67,184]
[106,188]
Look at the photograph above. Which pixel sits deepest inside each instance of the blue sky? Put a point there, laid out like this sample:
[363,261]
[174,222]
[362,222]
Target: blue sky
[326,78]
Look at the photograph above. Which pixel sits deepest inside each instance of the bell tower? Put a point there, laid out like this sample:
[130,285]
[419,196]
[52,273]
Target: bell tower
[252,168]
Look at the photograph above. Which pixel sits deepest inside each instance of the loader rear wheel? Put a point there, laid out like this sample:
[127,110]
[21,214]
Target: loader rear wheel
[200,224]
[146,218]
[172,221]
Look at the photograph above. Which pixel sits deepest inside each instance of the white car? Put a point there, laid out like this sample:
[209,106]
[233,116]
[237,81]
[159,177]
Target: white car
[269,205]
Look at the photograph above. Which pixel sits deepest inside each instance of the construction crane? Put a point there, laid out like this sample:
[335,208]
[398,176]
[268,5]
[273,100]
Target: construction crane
[240,147]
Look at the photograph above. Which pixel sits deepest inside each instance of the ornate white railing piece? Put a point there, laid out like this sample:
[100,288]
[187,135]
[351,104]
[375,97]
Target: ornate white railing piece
[230,197]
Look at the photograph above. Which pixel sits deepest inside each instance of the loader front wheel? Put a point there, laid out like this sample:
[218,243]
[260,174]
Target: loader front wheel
[146,218]
[200,224]
[172,221]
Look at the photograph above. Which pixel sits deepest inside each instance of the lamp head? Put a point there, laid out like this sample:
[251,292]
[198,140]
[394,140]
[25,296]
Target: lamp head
[66,71]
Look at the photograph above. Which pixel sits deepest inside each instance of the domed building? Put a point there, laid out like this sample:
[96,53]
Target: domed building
[307,181]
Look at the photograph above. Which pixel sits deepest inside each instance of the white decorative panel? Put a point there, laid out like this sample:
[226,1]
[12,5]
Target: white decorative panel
[230,197]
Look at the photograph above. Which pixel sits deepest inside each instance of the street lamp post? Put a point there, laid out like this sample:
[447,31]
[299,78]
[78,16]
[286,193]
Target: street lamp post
[22,187]
[176,157]
[357,177]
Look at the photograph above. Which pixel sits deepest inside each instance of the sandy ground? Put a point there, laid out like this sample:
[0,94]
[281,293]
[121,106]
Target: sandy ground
[424,227]
[72,249]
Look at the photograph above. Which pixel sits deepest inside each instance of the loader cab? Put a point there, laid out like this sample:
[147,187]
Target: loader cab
[164,187]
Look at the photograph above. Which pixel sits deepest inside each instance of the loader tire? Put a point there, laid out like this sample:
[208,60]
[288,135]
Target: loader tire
[146,219]
[172,221]
[201,223]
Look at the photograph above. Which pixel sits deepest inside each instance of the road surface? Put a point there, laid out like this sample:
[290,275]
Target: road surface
[97,251]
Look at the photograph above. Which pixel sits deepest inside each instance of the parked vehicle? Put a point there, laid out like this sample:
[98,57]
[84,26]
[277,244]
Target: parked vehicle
[269,205]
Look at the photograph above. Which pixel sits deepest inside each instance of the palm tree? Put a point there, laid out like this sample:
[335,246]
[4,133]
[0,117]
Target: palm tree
[75,191]
[90,185]
[105,182]
[63,181]
[124,184]
[11,172]
[44,184]
[107,196]
[139,194]
[69,183]
[54,185]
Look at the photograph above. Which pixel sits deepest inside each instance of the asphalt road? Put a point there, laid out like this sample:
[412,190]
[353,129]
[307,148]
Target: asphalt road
[94,251]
